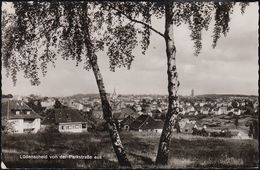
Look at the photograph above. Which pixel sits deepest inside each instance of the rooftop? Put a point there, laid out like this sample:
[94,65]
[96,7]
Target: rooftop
[68,115]
[10,107]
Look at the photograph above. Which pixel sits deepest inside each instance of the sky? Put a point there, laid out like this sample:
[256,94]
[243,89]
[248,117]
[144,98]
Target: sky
[230,68]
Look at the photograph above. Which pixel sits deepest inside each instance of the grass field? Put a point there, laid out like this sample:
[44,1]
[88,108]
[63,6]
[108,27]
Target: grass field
[187,151]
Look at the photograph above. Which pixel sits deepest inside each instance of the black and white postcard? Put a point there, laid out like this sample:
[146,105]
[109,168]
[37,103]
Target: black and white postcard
[168,84]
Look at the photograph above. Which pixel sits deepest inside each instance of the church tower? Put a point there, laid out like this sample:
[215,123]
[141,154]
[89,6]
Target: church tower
[114,95]
[114,100]
[192,92]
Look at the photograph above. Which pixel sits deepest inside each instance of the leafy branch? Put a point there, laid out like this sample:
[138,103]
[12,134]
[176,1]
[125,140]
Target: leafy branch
[137,21]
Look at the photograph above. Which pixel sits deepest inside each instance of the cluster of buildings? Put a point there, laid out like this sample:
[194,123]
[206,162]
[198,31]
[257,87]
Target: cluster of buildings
[132,112]
[18,117]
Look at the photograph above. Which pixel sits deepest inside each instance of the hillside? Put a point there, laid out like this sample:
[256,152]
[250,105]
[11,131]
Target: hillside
[187,151]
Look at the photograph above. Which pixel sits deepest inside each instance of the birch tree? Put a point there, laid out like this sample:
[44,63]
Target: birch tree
[197,15]
[34,32]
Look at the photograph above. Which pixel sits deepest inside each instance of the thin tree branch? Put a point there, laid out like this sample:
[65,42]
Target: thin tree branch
[140,22]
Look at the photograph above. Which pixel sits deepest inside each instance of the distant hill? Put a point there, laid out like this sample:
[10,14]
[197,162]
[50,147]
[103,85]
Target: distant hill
[97,95]
[7,96]
[84,95]
[225,95]
[80,95]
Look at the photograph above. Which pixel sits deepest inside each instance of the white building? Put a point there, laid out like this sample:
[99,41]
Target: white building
[236,111]
[19,118]
[70,120]
[222,110]
[48,103]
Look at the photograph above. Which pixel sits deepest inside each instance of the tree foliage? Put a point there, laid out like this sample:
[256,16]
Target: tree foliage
[236,121]
[7,127]
[57,104]
[197,15]
[38,32]
[7,96]
[35,105]
[32,35]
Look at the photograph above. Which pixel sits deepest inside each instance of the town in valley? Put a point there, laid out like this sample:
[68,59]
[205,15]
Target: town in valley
[143,113]
[49,120]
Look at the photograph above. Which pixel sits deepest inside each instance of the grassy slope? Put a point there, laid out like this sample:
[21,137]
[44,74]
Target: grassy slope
[187,150]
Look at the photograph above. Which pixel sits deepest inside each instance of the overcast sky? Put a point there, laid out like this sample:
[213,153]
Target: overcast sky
[230,68]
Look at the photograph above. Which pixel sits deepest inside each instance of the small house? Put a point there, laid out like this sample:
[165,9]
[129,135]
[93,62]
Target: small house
[189,109]
[193,113]
[70,120]
[67,120]
[205,110]
[236,111]
[19,117]
[126,122]
[157,126]
[124,113]
[188,128]
[182,122]
[146,123]
[222,110]
[48,103]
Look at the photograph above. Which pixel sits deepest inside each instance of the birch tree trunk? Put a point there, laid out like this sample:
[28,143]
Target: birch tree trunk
[173,84]
[107,112]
